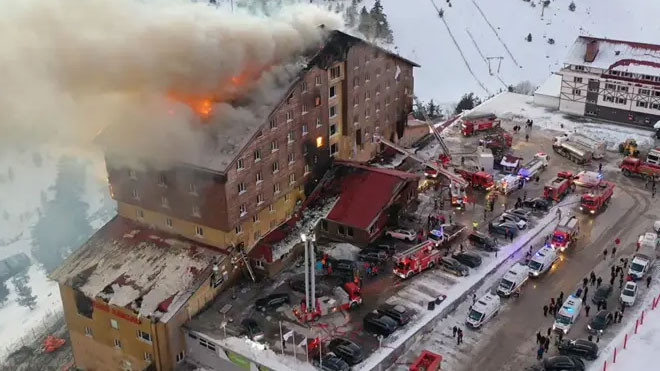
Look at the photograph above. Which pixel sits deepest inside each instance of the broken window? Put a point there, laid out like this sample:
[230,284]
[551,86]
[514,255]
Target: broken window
[83,304]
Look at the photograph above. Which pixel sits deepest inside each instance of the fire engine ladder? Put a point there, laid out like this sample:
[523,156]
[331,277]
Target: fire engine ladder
[454,178]
[411,251]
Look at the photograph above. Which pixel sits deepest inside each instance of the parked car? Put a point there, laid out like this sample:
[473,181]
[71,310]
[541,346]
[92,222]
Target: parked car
[397,312]
[628,294]
[343,265]
[388,249]
[272,302]
[482,241]
[379,324]
[521,213]
[402,234]
[331,362]
[502,227]
[580,348]
[563,363]
[453,266]
[372,255]
[601,294]
[299,286]
[251,329]
[346,350]
[599,322]
[511,218]
[469,259]
[537,204]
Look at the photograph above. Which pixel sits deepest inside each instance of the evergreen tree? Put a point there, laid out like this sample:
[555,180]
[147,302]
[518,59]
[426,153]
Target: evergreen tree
[571,6]
[366,24]
[24,292]
[382,29]
[351,14]
[62,226]
[431,109]
[4,292]
[468,101]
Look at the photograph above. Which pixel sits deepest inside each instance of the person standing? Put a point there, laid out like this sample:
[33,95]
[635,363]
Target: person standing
[586,289]
[561,296]
[592,278]
[539,352]
[621,281]
[598,282]
[545,311]
[605,254]
[547,343]
[613,252]
[648,281]
[585,282]
[454,331]
[538,337]
[586,310]
[460,336]
[549,331]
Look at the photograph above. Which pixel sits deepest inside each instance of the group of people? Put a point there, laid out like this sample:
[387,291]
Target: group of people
[554,306]
[458,334]
[544,342]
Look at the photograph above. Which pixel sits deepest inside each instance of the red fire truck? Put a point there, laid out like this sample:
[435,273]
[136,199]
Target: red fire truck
[427,361]
[597,198]
[633,166]
[342,298]
[477,179]
[565,233]
[416,259]
[499,140]
[559,187]
[474,123]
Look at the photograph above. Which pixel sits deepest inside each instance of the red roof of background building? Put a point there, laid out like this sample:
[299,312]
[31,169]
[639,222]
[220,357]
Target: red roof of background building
[364,194]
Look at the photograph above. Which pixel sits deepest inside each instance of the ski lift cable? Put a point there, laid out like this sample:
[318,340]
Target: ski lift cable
[496,34]
[486,59]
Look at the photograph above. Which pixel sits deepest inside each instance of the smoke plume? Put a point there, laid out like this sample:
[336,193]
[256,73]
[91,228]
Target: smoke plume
[71,69]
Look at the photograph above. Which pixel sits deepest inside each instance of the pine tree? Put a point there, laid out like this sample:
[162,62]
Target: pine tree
[24,292]
[351,14]
[431,109]
[467,102]
[382,29]
[366,24]
[571,6]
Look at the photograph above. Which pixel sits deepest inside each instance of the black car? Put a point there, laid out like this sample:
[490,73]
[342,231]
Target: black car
[453,266]
[272,302]
[503,227]
[601,294]
[469,259]
[599,322]
[379,324]
[372,255]
[343,265]
[482,241]
[537,204]
[331,362]
[398,313]
[581,348]
[251,329]
[563,363]
[346,350]
[299,286]
[388,249]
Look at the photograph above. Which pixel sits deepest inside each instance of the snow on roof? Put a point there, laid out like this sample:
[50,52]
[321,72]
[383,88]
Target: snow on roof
[616,54]
[550,87]
[124,263]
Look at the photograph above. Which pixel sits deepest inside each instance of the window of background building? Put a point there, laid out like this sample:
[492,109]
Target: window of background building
[144,336]
[333,129]
[168,221]
[195,211]
[199,231]
[239,164]
[332,92]
[335,72]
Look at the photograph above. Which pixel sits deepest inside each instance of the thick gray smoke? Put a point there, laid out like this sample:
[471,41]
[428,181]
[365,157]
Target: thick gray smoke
[71,68]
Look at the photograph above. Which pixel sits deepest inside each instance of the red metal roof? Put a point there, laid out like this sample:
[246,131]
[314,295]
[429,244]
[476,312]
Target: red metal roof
[364,194]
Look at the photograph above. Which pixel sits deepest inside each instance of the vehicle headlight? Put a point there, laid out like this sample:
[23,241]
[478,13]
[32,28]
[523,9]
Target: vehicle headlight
[589,327]
[581,208]
[593,211]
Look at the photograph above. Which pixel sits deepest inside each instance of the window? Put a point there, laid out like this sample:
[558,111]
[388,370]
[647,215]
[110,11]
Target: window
[206,344]
[195,211]
[117,343]
[608,98]
[644,92]
[257,155]
[273,123]
[288,99]
[286,197]
[304,108]
[334,149]
[387,100]
[259,134]
[622,88]
[144,336]
[139,213]
[317,101]
[367,95]
[289,116]
[274,146]
[199,231]
[88,331]
[168,221]
[147,356]
[324,225]
[132,174]
[255,218]
[356,100]
[349,231]
[655,106]
[377,71]
[378,107]
[162,180]
[260,177]
[367,112]
[621,100]
[271,208]
[341,229]
[303,86]
[579,68]
[180,357]
[577,92]
[615,73]
[290,137]
[387,84]
[292,158]
[241,188]
[333,92]
[335,72]
[276,167]
[317,80]
[318,122]
[333,129]
[333,111]
[319,142]
[642,104]
[242,210]
[239,164]
[260,199]
[610,86]
[238,229]
[304,129]
[306,168]
[192,189]
[135,194]
[577,79]
[367,76]
[164,202]
[387,66]
[276,188]
[356,82]
[356,120]
[378,90]
[292,178]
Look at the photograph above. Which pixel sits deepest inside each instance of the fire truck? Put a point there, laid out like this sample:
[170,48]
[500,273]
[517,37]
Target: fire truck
[427,361]
[597,198]
[498,140]
[342,298]
[477,179]
[559,187]
[565,233]
[633,166]
[473,123]
[416,259]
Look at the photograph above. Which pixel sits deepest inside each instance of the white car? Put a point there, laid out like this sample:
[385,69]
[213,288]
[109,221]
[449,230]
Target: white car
[656,226]
[629,293]
[402,234]
[518,221]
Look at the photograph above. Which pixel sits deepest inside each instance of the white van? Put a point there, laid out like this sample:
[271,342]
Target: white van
[513,280]
[568,314]
[484,309]
[542,261]
[653,157]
